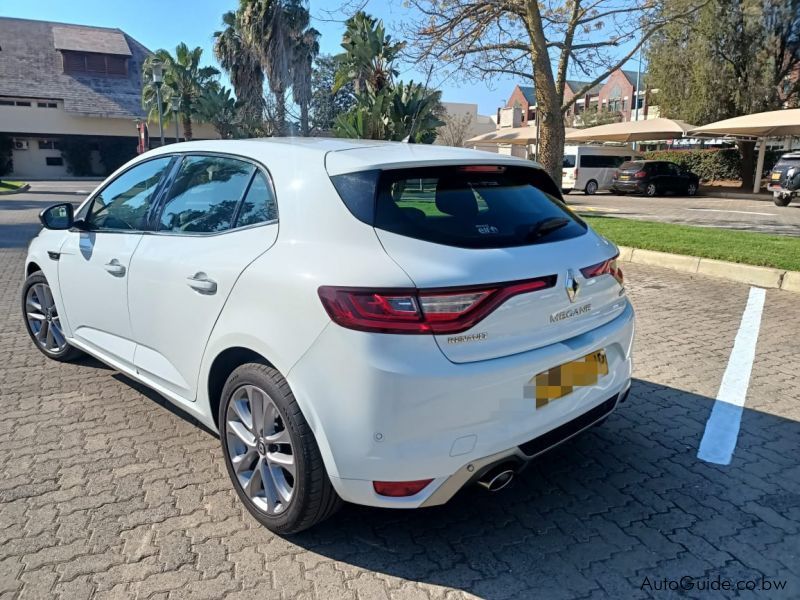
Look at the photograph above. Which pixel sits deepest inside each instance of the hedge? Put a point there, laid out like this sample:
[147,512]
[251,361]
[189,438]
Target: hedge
[712,164]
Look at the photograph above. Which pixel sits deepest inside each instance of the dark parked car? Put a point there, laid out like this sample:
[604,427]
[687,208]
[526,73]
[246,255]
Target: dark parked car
[653,177]
[784,179]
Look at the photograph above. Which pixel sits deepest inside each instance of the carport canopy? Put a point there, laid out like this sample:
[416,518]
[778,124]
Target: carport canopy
[774,123]
[632,131]
[509,135]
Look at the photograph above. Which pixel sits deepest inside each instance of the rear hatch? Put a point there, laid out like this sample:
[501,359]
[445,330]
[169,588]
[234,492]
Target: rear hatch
[493,241]
[778,173]
[569,171]
[627,171]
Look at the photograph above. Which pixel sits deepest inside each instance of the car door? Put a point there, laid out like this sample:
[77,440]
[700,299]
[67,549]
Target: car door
[676,179]
[218,215]
[94,260]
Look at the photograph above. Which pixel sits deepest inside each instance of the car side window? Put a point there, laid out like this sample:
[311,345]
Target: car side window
[124,203]
[204,195]
[259,204]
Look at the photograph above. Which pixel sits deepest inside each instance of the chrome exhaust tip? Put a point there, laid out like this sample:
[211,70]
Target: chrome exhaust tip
[497,478]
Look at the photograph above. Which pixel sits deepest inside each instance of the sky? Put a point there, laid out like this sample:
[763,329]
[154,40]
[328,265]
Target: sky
[163,24]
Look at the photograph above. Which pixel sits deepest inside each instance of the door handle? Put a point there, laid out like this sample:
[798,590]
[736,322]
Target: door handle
[113,267]
[201,283]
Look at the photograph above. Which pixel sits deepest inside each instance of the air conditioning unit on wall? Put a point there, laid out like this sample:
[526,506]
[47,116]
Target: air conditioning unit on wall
[20,144]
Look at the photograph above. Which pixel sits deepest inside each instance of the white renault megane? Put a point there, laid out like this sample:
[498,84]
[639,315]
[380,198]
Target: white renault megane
[375,322]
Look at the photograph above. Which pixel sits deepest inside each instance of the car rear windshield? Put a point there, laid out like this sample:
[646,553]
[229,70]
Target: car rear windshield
[631,165]
[790,161]
[476,206]
[569,161]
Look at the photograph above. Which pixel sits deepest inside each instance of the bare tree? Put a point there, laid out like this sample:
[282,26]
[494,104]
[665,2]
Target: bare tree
[541,41]
[455,129]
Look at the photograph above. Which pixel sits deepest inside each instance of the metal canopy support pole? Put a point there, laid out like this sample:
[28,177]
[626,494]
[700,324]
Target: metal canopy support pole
[762,151]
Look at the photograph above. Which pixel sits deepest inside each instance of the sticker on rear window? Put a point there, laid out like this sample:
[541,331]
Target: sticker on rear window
[487,229]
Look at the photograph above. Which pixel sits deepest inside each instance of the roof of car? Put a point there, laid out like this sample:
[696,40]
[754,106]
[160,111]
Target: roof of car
[342,155]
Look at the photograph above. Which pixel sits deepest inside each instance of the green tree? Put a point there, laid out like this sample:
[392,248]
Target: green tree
[185,81]
[219,108]
[737,58]
[369,54]
[327,104]
[239,60]
[384,110]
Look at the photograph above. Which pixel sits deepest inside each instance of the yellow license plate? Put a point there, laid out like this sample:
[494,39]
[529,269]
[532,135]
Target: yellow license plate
[624,177]
[559,381]
[776,176]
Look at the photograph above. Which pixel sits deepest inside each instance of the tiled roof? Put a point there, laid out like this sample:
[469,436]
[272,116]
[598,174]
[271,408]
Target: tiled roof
[575,86]
[90,39]
[631,77]
[529,92]
[31,67]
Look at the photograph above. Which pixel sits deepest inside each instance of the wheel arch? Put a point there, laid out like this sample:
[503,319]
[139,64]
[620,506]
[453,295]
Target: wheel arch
[31,268]
[221,367]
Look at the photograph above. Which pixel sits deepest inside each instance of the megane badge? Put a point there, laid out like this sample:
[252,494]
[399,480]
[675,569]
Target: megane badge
[572,285]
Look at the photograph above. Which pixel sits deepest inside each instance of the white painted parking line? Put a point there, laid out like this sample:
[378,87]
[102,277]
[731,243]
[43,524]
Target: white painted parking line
[722,427]
[741,212]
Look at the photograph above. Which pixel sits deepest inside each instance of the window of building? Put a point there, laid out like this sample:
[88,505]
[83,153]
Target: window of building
[94,64]
[49,145]
[54,161]
[46,105]
[6,103]
[22,103]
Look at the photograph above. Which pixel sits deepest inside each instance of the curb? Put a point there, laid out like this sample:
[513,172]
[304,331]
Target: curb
[761,197]
[765,277]
[19,190]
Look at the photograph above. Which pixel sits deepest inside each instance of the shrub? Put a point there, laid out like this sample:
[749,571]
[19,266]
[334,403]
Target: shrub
[115,152]
[709,164]
[6,155]
[77,153]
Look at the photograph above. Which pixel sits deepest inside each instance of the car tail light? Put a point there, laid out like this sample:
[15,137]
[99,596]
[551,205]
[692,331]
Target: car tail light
[607,267]
[482,169]
[398,489]
[415,311]
[640,174]
[616,174]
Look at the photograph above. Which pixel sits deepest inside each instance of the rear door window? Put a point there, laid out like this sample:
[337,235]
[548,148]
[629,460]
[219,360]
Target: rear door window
[631,165]
[569,161]
[470,207]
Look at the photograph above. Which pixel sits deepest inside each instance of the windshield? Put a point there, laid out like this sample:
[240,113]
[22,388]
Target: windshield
[569,161]
[631,165]
[482,206]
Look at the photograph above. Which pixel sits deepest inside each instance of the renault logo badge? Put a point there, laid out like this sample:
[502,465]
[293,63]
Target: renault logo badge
[572,285]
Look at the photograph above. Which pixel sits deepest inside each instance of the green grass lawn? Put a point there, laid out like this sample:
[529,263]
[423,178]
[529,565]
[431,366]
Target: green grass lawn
[6,186]
[760,249]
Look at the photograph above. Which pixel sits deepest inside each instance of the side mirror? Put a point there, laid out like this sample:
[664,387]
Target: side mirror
[58,216]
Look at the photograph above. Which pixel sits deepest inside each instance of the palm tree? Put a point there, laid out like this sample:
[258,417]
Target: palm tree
[265,30]
[368,55]
[304,51]
[241,63]
[184,81]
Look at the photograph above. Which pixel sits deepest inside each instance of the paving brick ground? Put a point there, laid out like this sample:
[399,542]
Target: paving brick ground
[107,492]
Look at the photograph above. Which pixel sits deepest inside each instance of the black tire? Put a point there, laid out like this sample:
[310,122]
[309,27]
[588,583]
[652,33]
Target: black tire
[313,497]
[68,353]
[651,190]
[565,191]
[781,200]
[591,187]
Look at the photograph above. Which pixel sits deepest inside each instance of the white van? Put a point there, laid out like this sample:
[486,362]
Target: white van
[590,168]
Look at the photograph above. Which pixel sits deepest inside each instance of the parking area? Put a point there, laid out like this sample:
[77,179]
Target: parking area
[107,491]
[706,211]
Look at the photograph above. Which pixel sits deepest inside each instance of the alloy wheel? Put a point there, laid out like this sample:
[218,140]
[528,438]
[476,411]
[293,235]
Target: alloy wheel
[260,449]
[43,319]
[651,189]
[692,189]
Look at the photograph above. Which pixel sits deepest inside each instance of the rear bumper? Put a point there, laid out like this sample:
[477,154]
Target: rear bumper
[393,408]
[628,186]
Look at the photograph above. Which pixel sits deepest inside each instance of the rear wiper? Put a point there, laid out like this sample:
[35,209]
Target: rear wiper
[545,226]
